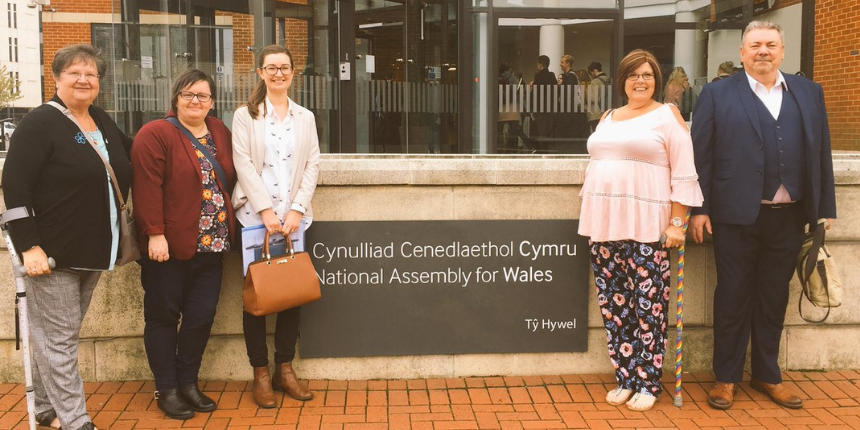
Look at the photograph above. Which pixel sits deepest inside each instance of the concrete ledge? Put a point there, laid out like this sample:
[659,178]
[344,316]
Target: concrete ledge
[406,187]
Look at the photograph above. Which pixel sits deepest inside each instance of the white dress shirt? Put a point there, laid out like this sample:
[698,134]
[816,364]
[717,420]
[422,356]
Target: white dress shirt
[277,167]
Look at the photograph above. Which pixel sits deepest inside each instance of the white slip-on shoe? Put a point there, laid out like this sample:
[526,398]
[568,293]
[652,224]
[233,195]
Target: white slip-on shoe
[618,396]
[641,402]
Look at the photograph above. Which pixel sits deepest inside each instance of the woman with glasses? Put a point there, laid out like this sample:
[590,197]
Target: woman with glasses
[183,174]
[276,151]
[638,186]
[55,170]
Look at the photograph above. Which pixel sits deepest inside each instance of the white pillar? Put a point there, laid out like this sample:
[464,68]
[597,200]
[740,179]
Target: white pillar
[685,40]
[552,45]
[483,76]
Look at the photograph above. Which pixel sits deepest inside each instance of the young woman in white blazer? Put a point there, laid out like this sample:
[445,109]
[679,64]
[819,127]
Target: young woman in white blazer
[276,154]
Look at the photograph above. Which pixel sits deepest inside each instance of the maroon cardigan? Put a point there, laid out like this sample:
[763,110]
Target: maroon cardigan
[167,188]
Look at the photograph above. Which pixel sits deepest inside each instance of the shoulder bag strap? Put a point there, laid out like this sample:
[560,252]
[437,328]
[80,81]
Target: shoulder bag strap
[811,262]
[95,146]
[217,167]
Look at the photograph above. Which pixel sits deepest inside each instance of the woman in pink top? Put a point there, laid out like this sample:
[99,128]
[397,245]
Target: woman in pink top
[638,186]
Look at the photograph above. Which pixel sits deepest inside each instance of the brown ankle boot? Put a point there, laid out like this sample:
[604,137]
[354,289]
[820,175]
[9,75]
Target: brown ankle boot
[286,381]
[263,395]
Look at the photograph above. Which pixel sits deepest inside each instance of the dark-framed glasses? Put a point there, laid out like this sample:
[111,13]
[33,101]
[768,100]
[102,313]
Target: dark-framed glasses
[202,97]
[633,77]
[273,70]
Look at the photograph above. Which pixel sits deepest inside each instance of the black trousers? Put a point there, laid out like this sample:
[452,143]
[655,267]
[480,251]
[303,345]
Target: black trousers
[755,263]
[177,289]
[286,334]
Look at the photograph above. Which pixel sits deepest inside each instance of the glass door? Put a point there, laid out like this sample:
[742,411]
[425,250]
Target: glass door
[552,83]
[405,76]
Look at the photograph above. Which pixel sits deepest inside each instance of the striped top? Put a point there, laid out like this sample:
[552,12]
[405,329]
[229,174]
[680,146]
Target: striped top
[638,168]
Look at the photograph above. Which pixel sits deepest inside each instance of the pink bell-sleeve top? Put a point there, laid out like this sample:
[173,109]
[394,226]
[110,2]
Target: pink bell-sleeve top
[638,168]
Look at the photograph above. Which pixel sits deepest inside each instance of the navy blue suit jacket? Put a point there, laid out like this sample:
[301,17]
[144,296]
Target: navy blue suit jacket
[727,141]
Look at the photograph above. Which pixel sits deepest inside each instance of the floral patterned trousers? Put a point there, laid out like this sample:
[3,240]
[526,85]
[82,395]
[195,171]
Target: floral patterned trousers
[632,281]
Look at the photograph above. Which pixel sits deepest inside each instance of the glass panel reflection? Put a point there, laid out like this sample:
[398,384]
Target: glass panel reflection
[571,4]
[548,100]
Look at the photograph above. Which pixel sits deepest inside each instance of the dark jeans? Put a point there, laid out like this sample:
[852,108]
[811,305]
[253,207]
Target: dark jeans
[286,334]
[177,289]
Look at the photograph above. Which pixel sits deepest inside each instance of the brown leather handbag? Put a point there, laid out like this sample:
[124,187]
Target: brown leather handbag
[274,284]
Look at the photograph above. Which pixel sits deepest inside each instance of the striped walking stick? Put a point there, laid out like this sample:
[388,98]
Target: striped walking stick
[679,320]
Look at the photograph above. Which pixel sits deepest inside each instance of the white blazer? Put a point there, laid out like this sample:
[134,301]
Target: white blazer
[249,150]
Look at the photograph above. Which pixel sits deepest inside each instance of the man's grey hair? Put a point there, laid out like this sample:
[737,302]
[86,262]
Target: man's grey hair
[763,25]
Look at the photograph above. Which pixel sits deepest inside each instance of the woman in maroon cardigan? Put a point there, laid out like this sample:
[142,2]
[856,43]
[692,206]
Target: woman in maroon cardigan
[185,219]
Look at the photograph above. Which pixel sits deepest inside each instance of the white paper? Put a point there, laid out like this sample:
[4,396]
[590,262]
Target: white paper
[370,65]
[252,243]
[145,62]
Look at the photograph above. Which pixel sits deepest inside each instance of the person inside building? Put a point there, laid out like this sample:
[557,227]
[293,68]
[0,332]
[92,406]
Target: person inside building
[598,100]
[571,121]
[185,220]
[277,155]
[638,186]
[59,175]
[676,85]
[509,109]
[724,71]
[543,85]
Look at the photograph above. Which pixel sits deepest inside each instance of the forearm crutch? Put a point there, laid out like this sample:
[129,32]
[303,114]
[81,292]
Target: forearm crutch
[679,321]
[22,327]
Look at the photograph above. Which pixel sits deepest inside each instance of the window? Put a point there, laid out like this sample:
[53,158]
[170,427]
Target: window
[12,14]
[13,49]
[16,83]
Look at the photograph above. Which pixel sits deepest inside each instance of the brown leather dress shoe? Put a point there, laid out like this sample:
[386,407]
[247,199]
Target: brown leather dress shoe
[778,393]
[263,395]
[722,395]
[286,381]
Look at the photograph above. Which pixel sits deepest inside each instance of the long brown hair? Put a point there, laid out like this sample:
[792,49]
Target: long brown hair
[259,93]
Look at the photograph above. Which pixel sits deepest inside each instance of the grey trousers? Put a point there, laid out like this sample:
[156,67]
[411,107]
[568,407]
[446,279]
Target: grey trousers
[57,304]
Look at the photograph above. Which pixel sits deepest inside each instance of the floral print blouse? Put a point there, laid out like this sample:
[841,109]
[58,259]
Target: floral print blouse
[212,233]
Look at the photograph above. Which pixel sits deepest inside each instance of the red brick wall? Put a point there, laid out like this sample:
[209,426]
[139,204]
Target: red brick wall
[85,6]
[836,35]
[296,33]
[56,36]
[297,41]
[243,37]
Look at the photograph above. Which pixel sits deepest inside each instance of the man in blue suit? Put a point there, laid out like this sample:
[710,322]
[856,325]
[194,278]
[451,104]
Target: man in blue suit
[762,149]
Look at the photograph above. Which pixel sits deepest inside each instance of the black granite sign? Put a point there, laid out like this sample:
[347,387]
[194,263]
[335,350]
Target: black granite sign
[447,287]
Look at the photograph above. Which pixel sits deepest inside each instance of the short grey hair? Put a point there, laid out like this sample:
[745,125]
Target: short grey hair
[72,54]
[763,25]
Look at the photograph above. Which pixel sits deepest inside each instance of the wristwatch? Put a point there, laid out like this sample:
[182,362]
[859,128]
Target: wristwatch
[677,221]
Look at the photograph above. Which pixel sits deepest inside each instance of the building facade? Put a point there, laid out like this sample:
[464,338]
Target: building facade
[19,31]
[442,76]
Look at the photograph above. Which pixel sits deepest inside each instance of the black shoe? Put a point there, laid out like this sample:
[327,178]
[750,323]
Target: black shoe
[197,400]
[88,426]
[45,419]
[173,405]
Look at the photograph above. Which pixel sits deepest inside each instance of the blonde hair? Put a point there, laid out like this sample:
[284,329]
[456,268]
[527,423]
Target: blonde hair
[678,74]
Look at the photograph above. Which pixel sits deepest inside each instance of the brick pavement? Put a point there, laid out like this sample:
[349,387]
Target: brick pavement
[515,403]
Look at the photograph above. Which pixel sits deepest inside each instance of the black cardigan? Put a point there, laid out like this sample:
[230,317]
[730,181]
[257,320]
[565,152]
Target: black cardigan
[63,181]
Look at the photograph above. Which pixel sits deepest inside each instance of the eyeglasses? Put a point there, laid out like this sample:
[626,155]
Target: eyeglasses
[633,77]
[273,70]
[201,97]
[77,76]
